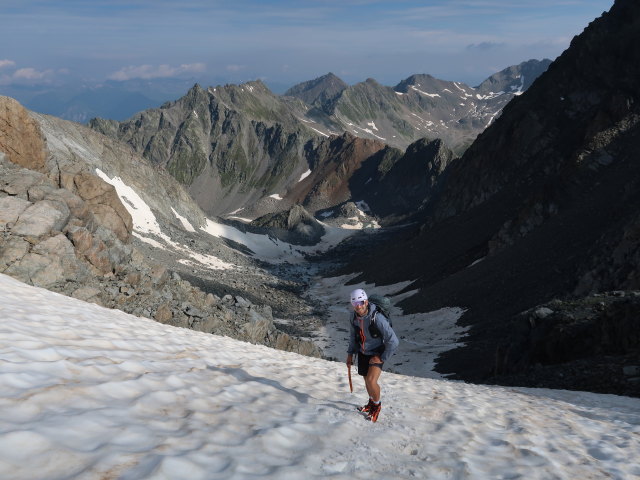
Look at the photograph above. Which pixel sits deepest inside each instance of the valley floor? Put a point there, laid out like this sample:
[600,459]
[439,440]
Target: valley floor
[91,393]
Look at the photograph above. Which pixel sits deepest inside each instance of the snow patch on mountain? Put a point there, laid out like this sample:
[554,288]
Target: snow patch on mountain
[413,87]
[304,175]
[185,223]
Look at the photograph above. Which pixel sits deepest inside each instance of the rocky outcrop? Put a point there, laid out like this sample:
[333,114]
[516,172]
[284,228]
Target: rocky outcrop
[50,235]
[77,153]
[590,343]
[20,136]
[105,204]
[296,226]
[24,143]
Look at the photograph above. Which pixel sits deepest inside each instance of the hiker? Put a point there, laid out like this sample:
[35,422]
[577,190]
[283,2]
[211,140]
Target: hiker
[374,341]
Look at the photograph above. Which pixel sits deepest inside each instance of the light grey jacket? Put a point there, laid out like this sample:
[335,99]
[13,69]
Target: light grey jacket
[361,340]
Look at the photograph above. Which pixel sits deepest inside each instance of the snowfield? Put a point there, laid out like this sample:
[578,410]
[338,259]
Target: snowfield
[91,393]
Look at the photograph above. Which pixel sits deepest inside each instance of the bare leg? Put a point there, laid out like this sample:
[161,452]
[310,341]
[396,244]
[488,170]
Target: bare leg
[371,382]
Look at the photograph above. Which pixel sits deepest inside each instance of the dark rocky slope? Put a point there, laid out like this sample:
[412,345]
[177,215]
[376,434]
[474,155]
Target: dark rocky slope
[543,205]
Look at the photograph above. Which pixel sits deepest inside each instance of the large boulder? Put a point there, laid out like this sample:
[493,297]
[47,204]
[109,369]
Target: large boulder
[105,204]
[49,262]
[10,210]
[41,218]
[20,136]
[295,225]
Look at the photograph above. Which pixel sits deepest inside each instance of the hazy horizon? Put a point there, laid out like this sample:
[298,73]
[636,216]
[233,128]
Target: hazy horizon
[71,42]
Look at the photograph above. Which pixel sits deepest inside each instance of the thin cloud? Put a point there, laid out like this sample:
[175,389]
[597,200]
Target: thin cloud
[486,46]
[30,76]
[235,68]
[147,72]
[7,63]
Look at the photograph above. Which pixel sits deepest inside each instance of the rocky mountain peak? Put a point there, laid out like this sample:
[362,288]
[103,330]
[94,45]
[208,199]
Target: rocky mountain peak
[418,80]
[319,91]
[514,79]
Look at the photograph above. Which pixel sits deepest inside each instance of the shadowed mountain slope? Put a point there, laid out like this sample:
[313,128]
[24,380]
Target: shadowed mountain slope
[543,205]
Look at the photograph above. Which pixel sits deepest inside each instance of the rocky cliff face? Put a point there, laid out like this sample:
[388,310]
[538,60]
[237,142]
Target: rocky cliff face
[65,229]
[543,205]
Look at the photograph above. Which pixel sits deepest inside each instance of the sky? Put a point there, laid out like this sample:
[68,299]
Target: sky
[282,42]
[90,393]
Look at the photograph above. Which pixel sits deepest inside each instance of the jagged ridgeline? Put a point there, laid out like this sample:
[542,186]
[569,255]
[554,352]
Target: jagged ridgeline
[419,106]
[237,144]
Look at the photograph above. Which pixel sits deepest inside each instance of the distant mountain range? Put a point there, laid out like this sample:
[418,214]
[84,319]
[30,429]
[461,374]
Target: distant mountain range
[234,146]
[419,106]
[336,105]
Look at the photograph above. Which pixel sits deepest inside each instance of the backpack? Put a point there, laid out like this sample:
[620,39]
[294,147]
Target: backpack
[383,305]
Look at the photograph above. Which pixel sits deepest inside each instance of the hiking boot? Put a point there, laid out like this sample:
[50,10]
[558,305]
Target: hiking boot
[366,408]
[374,411]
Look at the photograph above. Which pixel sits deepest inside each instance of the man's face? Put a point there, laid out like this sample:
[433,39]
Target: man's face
[361,307]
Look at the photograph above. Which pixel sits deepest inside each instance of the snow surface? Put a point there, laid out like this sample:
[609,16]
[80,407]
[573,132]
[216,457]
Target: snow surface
[318,131]
[273,250]
[90,393]
[413,87]
[185,223]
[304,175]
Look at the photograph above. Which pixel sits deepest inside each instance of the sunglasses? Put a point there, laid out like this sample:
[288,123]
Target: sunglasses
[358,303]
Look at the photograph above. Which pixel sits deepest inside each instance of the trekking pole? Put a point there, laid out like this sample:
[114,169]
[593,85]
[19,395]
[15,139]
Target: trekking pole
[350,384]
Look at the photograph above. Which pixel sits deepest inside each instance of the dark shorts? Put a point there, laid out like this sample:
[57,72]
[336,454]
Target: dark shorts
[363,364]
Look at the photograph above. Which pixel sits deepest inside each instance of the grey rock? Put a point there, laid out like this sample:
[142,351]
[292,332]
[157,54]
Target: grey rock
[35,270]
[61,251]
[10,209]
[11,250]
[241,302]
[631,370]
[87,294]
[41,218]
[542,312]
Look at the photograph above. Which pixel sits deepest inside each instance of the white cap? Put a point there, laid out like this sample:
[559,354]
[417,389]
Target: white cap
[358,295]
